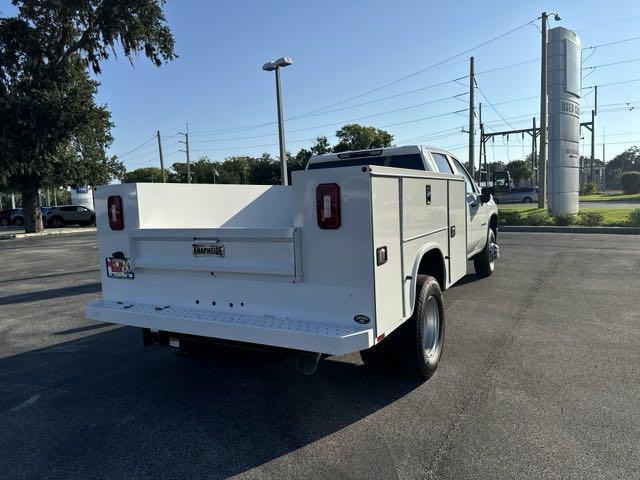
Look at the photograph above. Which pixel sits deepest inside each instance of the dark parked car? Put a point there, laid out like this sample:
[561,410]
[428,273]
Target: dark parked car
[70,215]
[11,216]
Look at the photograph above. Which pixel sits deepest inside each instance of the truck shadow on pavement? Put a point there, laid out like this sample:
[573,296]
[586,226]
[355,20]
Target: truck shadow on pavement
[51,293]
[103,406]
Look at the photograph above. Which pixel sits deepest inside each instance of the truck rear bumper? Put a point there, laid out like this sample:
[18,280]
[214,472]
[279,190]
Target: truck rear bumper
[263,330]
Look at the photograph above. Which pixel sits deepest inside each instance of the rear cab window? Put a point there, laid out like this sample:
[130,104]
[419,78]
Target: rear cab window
[442,164]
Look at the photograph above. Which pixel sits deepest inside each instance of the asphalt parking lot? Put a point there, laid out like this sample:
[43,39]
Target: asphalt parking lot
[540,378]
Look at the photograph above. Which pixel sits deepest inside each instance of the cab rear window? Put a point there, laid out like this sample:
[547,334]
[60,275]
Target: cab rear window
[411,162]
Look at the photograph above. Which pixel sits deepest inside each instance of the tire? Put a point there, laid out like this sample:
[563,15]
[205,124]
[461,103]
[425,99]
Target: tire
[19,221]
[421,339]
[527,200]
[56,222]
[92,221]
[414,348]
[483,261]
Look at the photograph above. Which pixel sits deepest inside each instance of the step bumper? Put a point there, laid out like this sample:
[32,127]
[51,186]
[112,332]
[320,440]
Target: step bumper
[263,330]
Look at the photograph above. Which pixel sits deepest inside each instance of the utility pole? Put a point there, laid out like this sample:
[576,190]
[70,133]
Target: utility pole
[480,147]
[604,165]
[186,143]
[164,174]
[594,112]
[471,119]
[533,154]
[542,165]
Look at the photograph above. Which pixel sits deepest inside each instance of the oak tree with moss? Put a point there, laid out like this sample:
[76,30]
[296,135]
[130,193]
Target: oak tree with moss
[52,131]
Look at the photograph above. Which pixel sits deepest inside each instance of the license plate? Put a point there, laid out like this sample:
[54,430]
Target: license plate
[208,250]
[119,268]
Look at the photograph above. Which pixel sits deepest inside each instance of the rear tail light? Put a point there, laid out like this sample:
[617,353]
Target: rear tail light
[114,211]
[328,205]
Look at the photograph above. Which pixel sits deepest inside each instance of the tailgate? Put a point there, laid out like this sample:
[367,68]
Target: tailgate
[226,250]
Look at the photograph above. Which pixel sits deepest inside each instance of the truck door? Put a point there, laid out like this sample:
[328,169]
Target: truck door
[476,223]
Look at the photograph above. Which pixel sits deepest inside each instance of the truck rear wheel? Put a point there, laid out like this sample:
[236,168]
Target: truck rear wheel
[416,346]
[422,340]
[484,262]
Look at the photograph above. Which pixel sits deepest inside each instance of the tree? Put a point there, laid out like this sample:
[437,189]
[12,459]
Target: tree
[630,182]
[358,137]
[145,175]
[321,146]
[627,161]
[519,171]
[52,132]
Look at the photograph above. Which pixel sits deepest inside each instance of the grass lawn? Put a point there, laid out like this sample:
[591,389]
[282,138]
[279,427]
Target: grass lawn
[613,217]
[606,197]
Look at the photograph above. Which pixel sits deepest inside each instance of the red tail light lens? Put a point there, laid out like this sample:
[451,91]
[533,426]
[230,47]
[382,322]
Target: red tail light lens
[328,205]
[114,211]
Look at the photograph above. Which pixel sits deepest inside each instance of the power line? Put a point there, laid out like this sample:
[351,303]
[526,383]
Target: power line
[593,47]
[613,83]
[430,67]
[491,105]
[347,121]
[137,148]
[593,67]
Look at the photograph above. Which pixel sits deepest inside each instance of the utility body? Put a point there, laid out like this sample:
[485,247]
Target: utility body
[333,264]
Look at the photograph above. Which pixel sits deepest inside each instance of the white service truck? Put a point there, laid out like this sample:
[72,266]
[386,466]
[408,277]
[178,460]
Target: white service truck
[352,257]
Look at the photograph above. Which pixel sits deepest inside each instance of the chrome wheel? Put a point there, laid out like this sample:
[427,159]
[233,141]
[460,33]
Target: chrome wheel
[431,327]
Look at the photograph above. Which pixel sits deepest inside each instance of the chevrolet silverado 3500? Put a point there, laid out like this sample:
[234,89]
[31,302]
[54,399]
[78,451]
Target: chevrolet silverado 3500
[352,257]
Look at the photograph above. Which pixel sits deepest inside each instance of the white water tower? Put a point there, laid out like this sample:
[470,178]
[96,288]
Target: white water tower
[564,82]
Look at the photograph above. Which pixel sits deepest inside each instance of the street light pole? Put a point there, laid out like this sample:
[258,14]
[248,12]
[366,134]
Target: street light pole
[542,164]
[283,152]
[275,65]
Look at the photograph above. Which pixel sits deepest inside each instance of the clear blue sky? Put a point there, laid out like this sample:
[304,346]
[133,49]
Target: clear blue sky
[344,48]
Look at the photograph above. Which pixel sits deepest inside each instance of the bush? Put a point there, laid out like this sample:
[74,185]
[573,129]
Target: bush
[630,182]
[564,219]
[634,217]
[590,219]
[509,218]
[589,189]
[537,219]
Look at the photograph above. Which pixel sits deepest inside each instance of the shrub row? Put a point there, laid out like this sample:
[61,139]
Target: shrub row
[537,218]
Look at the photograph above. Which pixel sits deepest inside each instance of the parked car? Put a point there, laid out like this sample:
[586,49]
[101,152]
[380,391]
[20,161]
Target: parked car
[12,216]
[8,216]
[63,215]
[516,195]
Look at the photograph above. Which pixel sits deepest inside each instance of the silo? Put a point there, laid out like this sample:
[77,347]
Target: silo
[564,81]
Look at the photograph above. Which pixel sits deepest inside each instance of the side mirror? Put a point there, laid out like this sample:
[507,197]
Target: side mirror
[485,196]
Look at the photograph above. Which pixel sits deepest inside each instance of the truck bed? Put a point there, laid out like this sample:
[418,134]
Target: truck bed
[282,280]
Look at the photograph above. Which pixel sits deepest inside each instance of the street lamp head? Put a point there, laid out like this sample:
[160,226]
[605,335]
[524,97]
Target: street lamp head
[281,62]
[556,17]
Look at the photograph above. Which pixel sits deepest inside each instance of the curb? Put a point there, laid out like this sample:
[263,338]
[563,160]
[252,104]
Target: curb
[46,233]
[551,229]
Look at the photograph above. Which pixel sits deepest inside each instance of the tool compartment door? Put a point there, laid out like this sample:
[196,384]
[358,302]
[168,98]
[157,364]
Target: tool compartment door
[458,231]
[387,254]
